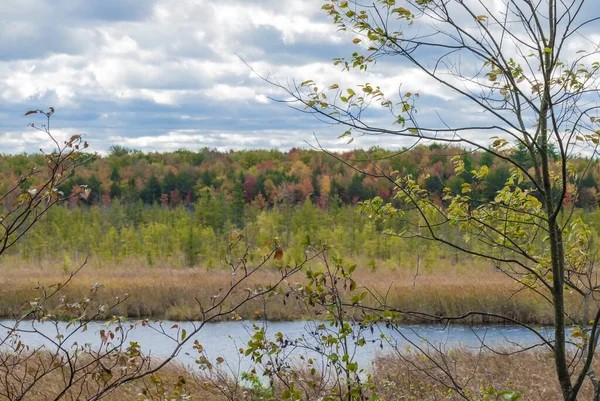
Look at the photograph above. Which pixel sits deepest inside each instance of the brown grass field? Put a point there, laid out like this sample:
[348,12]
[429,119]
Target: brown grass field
[168,293]
[395,379]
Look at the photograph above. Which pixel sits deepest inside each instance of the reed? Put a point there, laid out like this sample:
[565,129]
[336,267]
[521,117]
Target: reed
[531,373]
[173,294]
[396,378]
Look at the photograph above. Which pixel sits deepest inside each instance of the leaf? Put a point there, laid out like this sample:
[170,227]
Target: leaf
[183,334]
[357,299]
[278,254]
[220,360]
[345,134]
[31,112]
[85,193]
[481,18]
[106,375]
[356,41]
[24,197]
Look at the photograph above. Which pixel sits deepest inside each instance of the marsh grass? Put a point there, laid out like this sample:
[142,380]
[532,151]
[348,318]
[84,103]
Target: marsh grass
[531,373]
[409,377]
[173,383]
[170,293]
[481,375]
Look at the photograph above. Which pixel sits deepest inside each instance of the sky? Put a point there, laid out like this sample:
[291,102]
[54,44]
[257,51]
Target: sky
[162,75]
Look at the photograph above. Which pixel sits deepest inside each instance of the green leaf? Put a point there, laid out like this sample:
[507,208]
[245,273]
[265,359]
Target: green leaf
[357,299]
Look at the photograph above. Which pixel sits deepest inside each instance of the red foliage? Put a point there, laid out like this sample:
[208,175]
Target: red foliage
[250,189]
[384,193]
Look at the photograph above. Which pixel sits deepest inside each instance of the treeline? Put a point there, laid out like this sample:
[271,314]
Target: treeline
[181,237]
[181,208]
[199,236]
[269,178]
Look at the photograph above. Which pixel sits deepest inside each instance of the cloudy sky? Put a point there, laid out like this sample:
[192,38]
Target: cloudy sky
[167,74]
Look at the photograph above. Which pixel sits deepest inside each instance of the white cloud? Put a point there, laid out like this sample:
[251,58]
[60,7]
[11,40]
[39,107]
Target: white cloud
[165,74]
[32,140]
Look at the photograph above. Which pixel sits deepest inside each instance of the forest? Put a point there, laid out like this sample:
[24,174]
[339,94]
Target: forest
[177,209]
[271,178]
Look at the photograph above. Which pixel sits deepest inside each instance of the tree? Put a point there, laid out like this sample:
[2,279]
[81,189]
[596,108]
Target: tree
[52,365]
[151,192]
[525,64]
[30,203]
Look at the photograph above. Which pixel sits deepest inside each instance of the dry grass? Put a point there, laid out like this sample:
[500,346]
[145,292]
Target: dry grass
[532,373]
[167,293]
[395,378]
[173,382]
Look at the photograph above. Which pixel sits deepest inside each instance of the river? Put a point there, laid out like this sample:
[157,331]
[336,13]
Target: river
[225,338]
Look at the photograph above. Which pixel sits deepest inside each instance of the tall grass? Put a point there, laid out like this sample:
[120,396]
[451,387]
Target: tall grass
[409,377]
[169,293]
[532,373]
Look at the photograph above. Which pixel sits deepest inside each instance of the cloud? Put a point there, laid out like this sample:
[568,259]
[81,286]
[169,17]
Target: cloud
[168,74]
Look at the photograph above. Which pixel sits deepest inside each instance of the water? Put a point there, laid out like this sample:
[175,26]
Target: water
[225,338]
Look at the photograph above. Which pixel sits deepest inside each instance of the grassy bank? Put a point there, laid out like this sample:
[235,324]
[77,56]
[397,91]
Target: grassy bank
[480,375]
[167,293]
